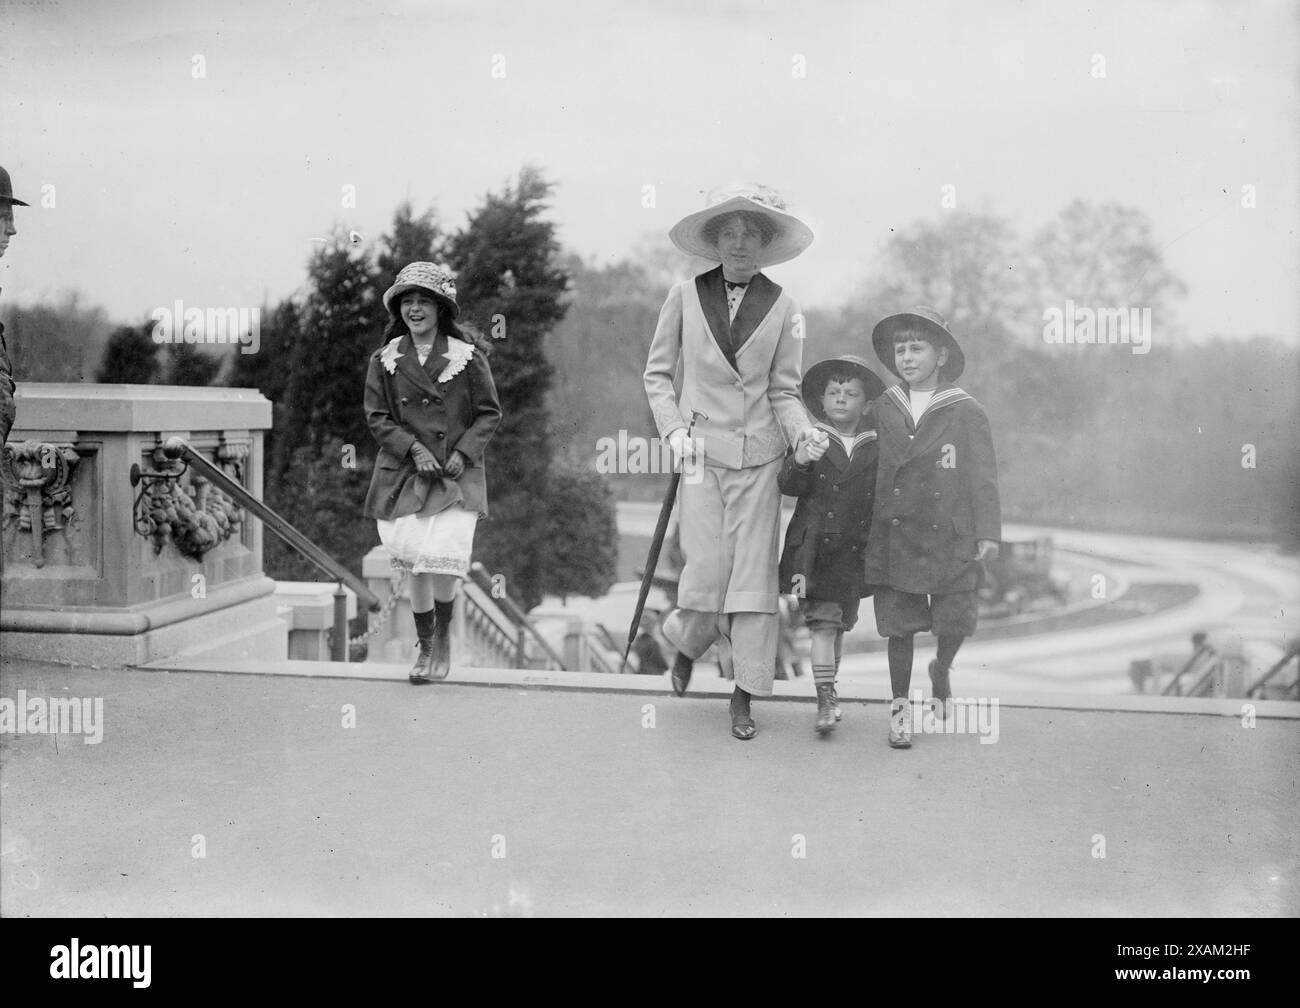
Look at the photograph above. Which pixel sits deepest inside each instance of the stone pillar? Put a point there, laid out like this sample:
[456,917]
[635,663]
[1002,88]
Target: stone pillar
[81,584]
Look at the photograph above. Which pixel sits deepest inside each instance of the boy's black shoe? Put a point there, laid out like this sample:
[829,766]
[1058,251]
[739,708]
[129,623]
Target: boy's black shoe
[941,691]
[682,669]
[900,724]
[825,708]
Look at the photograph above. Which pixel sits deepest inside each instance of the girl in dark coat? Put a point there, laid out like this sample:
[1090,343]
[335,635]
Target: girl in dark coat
[432,406]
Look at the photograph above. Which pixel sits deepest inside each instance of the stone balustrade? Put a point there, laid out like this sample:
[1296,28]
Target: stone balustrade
[114,555]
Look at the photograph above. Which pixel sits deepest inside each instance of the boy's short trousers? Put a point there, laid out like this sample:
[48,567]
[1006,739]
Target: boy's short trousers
[840,615]
[901,613]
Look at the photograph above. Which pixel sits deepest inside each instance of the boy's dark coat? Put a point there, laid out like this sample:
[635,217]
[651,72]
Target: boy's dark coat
[409,405]
[936,493]
[828,532]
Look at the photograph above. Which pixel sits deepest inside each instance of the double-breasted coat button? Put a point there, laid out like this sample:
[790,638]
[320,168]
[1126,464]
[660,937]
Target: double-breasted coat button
[935,527]
[936,493]
[405,400]
[441,435]
[897,491]
[893,521]
[425,401]
[830,514]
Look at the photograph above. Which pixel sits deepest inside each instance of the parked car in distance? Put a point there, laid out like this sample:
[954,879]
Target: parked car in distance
[1020,579]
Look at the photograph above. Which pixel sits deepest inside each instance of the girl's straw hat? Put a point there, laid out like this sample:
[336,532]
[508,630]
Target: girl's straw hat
[437,280]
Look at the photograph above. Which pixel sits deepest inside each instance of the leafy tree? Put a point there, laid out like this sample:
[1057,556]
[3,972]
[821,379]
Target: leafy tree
[60,342]
[1101,255]
[582,539]
[967,266]
[131,357]
[511,285]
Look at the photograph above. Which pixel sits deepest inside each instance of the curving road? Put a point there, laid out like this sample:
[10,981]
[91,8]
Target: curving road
[1251,590]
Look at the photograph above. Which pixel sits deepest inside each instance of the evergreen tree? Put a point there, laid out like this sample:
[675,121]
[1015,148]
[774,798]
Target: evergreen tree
[412,239]
[131,357]
[321,497]
[188,365]
[340,326]
[268,371]
[509,283]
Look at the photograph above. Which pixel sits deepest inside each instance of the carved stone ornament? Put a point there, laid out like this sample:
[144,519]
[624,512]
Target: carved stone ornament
[40,501]
[196,517]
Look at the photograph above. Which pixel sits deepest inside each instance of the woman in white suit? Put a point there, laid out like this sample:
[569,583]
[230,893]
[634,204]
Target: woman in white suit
[729,344]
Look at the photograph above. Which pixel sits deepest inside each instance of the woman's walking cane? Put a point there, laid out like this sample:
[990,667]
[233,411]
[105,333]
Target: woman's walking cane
[661,529]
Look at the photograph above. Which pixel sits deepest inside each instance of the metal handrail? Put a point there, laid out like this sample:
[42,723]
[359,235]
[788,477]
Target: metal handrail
[1292,655]
[178,447]
[1172,687]
[479,575]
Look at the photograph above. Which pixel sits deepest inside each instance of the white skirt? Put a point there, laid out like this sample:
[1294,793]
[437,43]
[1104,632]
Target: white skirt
[434,544]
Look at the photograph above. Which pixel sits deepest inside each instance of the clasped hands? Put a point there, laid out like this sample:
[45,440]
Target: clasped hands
[426,464]
[811,446]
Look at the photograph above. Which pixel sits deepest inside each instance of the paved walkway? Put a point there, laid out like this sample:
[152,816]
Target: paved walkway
[469,800]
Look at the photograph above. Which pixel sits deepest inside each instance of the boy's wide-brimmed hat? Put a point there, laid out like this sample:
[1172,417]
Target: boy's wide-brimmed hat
[437,280]
[7,191]
[925,320]
[791,235]
[815,379]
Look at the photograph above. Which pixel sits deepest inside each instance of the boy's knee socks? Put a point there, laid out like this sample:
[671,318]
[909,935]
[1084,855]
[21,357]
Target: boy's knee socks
[948,647]
[900,664]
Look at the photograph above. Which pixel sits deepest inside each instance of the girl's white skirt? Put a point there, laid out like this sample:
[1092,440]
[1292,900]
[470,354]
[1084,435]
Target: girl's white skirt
[433,544]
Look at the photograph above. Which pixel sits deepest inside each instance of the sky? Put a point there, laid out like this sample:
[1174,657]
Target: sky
[197,151]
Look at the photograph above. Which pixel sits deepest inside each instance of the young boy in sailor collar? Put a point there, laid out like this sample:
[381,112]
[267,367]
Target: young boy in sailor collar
[937,516]
[834,477]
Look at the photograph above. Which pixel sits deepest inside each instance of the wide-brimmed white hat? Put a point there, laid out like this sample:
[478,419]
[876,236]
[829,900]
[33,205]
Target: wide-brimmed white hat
[791,235]
[437,280]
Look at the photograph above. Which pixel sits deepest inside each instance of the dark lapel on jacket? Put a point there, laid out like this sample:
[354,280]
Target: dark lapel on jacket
[409,363]
[760,295]
[437,360]
[712,292]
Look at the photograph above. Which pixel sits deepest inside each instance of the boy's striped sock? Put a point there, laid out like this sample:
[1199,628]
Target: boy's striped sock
[824,674]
